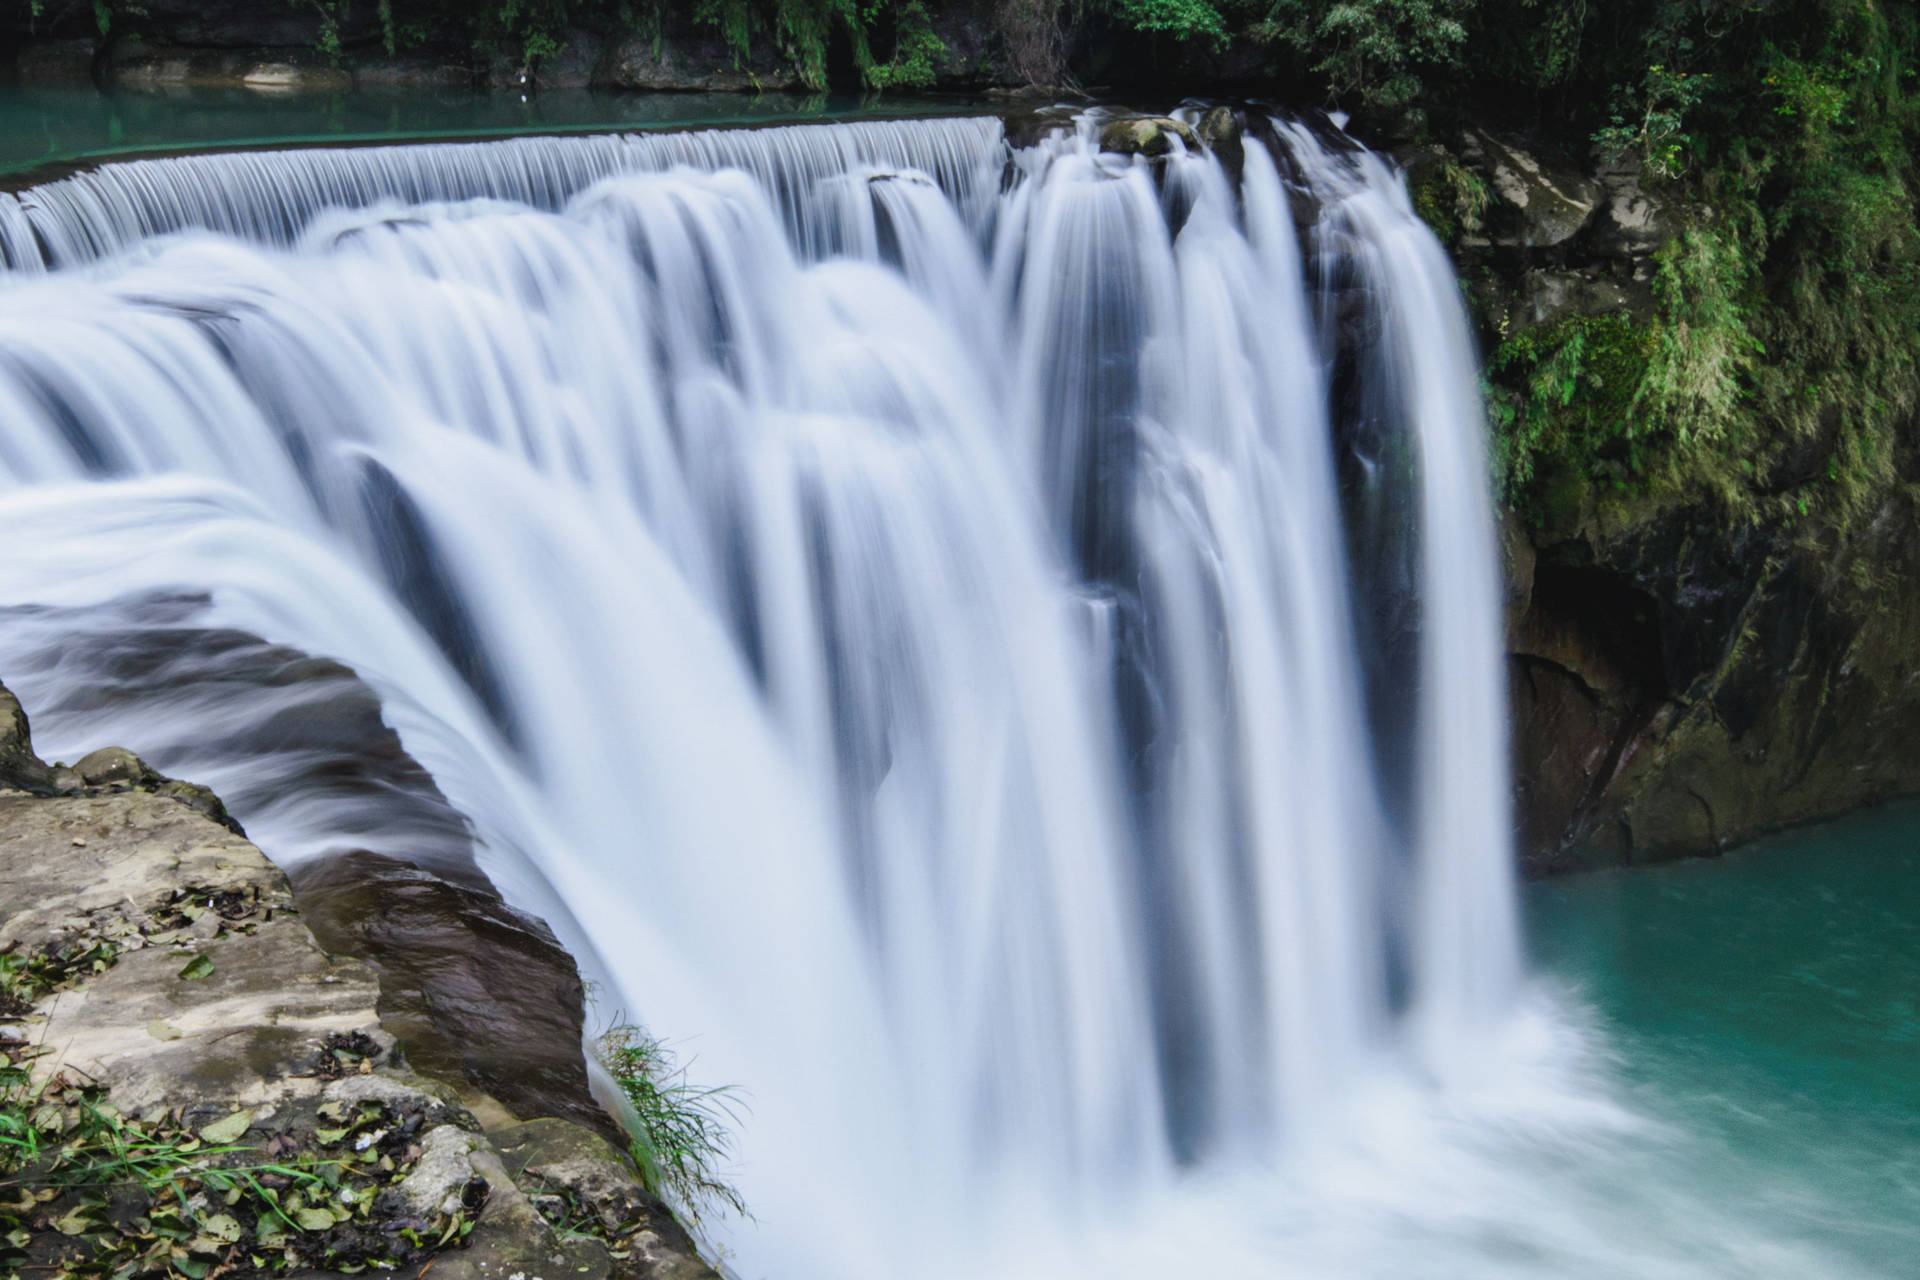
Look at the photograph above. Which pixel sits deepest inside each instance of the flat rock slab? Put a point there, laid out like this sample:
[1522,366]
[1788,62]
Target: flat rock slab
[66,860]
[252,1033]
[196,1013]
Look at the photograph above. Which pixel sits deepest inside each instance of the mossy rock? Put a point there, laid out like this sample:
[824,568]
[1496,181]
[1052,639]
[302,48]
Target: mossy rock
[1149,136]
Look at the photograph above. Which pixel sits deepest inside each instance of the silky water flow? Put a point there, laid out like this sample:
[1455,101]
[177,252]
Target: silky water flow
[993,652]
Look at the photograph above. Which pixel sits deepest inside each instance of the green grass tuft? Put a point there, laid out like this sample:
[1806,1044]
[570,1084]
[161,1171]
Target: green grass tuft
[681,1133]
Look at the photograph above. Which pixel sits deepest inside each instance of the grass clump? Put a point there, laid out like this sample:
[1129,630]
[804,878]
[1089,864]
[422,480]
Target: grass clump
[680,1133]
[1449,197]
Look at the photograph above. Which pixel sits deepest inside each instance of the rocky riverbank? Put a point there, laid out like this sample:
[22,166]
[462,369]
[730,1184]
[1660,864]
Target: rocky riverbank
[193,1085]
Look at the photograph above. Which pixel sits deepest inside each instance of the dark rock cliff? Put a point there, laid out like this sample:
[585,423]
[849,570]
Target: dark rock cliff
[1685,676]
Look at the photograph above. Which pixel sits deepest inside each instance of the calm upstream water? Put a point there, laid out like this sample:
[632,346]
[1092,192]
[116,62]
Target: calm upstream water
[996,647]
[42,125]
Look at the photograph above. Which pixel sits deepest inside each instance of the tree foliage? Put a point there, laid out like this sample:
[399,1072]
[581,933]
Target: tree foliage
[1374,50]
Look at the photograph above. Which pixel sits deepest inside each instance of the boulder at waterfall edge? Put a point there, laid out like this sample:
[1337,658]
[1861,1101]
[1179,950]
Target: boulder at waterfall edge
[161,986]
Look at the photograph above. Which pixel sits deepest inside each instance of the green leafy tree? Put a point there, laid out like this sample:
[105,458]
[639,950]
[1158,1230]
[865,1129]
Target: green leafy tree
[1376,51]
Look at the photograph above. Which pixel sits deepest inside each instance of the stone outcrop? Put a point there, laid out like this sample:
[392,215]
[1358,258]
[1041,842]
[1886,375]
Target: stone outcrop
[475,991]
[694,60]
[190,992]
[1680,686]
[1539,238]
[1147,136]
[1537,204]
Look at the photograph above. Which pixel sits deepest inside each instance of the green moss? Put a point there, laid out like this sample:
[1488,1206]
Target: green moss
[1562,399]
[1449,197]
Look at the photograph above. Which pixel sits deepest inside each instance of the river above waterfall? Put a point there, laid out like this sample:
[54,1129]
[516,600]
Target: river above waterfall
[43,126]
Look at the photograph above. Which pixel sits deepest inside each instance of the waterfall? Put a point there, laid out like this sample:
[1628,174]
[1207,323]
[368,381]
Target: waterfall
[882,594]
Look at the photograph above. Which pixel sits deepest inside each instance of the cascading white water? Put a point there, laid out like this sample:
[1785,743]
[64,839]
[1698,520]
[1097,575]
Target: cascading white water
[881,595]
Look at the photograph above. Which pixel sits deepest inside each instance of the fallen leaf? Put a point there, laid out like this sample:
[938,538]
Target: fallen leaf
[313,1219]
[222,1132]
[74,1224]
[160,1029]
[197,968]
[221,1226]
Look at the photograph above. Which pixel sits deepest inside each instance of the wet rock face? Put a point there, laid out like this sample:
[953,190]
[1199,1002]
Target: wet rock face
[1677,679]
[475,990]
[691,58]
[1679,686]
[19,767]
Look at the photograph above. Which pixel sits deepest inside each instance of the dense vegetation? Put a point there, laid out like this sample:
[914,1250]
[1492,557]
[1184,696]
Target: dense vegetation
[1781,363]
[1783,356]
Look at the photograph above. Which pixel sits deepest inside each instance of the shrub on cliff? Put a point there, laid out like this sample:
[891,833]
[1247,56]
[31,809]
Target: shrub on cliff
[1785,358]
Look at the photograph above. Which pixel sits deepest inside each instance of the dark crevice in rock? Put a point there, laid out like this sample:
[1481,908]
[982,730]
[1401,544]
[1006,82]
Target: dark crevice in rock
[1533,662]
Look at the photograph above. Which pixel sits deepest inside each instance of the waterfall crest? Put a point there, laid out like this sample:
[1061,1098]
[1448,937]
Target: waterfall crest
[884,595]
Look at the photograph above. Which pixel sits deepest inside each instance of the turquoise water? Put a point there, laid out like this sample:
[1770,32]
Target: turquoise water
[1767,1006]
[44,126]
